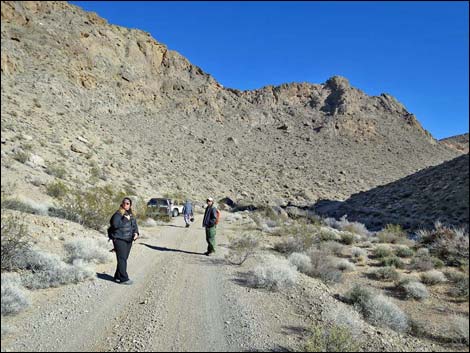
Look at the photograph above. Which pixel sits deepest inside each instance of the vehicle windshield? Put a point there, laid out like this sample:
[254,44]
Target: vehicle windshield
[159,202]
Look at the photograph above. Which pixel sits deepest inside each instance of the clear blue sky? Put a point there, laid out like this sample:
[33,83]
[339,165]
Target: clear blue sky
[415,51]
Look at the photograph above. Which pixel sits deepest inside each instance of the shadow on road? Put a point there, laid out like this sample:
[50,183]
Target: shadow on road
[105,277]
[158,248]
[172,225]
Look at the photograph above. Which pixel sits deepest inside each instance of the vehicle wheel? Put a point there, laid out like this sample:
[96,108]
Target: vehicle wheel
[175,213]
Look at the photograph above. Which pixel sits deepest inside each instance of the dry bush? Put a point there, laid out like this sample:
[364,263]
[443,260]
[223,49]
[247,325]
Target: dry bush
[432,277]
[458,329]
[387,273]
[14,298]
[326,234]
[460,283]
[44,270]
[92,208]
[89,250]
[300,242]
[241,249]
[392,233]
[301,261]
[392,261]
[57,189]
[331,247]
[422,261]
[331,339]
[344,265]
[376,309]
[404,251]
[323,267]
[448,244]
[275,274]
[413,289]
[15,240]
[348,238]
[345,225]
[382,251]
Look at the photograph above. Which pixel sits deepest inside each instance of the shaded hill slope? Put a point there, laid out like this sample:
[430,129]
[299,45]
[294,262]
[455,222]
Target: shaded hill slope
[418,200]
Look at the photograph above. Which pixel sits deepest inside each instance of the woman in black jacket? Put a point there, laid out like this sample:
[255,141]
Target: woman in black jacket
[124,231]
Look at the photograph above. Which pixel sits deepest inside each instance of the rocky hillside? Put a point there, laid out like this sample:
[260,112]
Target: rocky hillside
[93,103]
[459,142]
[435,193]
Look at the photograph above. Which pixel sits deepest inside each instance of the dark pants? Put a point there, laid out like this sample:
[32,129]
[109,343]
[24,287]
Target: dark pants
[122,248]
[210,238]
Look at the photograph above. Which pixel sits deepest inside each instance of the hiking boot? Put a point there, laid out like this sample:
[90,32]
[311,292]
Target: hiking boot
[128,282]
[187,225]
[207,253]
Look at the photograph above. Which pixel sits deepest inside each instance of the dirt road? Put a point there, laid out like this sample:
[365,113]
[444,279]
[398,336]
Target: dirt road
[181,300]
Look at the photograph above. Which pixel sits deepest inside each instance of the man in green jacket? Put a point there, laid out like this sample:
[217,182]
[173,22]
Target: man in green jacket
[209,222]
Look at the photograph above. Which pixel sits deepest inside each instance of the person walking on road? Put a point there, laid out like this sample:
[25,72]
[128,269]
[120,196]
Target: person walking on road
[123,232]
[188,213]
[209,222]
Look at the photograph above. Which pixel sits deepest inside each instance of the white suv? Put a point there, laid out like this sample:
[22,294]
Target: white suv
[162,206]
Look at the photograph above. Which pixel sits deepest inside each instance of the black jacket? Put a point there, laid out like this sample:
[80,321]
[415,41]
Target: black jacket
[210,216]
[122,228]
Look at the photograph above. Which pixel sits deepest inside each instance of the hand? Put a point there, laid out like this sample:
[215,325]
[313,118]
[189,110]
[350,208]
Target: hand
[136,236]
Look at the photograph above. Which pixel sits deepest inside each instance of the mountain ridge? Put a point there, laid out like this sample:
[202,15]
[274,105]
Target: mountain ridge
[141,105]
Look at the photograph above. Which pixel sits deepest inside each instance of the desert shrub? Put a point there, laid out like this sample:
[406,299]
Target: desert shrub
[377,309]
[56,170]
[382,251]
[15,240]
[21,156]
[392,261]
[331,339]
[93,207]
[460,283]
[14,298]
[344,265]
[323,267]
[414,289]
[347,238]
[241,249]
[392,233]
[432,277]
[388,273]
[422,252]
[298,243]
[345,225]
[357,252]
[423,262]
[457,329]
[448,244]
[266,217]
[325,234]
[358,255]
[338,316]
[18,205]
[57,189]
[43,270]
[301,261]
[331,247]
[404,251]
[275,274]
[89,250]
